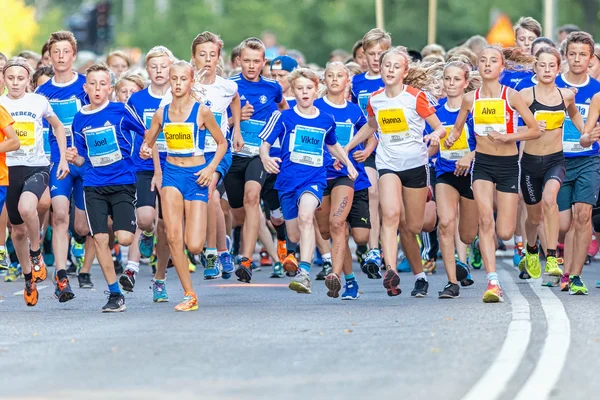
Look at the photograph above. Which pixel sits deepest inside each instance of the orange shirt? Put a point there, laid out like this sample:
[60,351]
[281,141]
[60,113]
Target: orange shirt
[5,120]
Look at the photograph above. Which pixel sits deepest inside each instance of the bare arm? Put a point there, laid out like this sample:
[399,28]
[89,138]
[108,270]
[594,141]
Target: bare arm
[364,133]
[533,131]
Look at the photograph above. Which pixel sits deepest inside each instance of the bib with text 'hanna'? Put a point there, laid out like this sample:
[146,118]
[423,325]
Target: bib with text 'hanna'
[393,126]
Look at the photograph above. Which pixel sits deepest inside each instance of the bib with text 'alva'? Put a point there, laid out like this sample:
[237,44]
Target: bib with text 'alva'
[489,115]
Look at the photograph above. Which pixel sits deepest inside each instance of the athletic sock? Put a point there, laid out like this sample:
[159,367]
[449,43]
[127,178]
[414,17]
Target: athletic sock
[134,266]
[61,273]
[532,250]
[35,253]
[114,288]
[350,277]
[518,239]
[211,251]
[28,277]
[326,257]
[551,253]
[280,231]
[305,266]
[420,275]
[362,248]
[492,276]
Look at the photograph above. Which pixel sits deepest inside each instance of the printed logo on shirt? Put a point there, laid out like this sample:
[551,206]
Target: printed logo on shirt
[262,99]
[588,100]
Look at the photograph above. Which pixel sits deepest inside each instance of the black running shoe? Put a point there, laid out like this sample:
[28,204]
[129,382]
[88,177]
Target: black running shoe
[85,280]
[391,282]
[324,272]
[118,266]
[420,290]
[127,280]
[116,303]
[72,269]
[63,289]
[461,271]
[451,291]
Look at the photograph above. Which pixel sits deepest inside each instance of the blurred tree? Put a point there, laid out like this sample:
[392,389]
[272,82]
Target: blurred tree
[17,26]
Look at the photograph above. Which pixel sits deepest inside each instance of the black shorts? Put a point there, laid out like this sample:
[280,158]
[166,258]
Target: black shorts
[462,184]
[359,216]
[145,196]
[24,179]
[243,169]
[504,171]
[370,161]
[596,216]
[414,178]
[537,170]
[117,202]
[269,195]
[339,181]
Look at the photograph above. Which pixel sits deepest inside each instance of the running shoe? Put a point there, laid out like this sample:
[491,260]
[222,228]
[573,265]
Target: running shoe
[325,271]
[277,271]
[212,270]
[117,263]
[265,260]
[301,282]
[333,284]
[493,294]
[14,273]
[227,267]
[191,264]
[500,245]
[281,250]
[462,271]
[360,257]
[564,283]
[420,289]
[523,274]
[116,303]
[3,260]
[38,269]
[127,280]
[391,282]
[77,249]
[244,270]
[351,290]
[532,265]
[597,284]
[159,291]
[560,260]
[518,254]
[255,268]
[403,266]
[63,290]
[372,264]
[451,291]
[429,266]
[146,244]
[576,286]
[85,280]
[30,294]
[152,261]
[290,265]
[552,267]
[594,247]
[189,303]
[476,263]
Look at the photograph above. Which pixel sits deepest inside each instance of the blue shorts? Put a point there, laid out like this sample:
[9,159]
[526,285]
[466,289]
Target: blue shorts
[223,166]
[3,190]
[71,184]
[581,184]
[290,200]
[184,180]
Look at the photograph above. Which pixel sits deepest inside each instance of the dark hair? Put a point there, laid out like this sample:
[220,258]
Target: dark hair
[542,39]
[357,45]
[42,71]
[568,28]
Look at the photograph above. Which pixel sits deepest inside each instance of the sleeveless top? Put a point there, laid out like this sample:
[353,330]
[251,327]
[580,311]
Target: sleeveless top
[184,139]
[494,114]
[553,115]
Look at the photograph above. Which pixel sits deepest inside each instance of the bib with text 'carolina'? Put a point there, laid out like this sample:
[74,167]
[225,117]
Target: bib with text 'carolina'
[179,137]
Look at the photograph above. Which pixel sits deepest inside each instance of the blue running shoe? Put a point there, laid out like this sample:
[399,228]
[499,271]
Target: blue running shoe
[77,249]
[372,264]
[404,266]
[227,266]
[212,269]
[351,290]
[318,260]
[146,244]
[159,291]
[462,271]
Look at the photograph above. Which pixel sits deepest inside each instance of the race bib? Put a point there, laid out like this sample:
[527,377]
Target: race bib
[571,135]
[65,110]
[393,126]
[179,137]
[47,149]
[458,149]
[306,146]
[210,145]
[363,102]
[161,143]
[102,146]
[250,130]
[489,115]
[25,131]
[344,131]
[554,119]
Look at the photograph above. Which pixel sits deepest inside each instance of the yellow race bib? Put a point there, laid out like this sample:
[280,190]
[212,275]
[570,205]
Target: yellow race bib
[179,137]
[25,131]
[554,119]
[489,115]
[392,121]
[458,149]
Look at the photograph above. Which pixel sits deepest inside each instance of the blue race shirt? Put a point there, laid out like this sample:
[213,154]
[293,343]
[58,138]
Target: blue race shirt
[363,86]
[446,158]
[304,159]
[526,83]
[66,100]
[512,78]
[144,103]
[348,121]
[103,139]
[264,96]
[583,98]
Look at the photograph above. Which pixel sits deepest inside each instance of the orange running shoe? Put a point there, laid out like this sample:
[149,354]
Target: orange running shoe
[38,269]
[493,294]
[189,303]
[281,250]
[290,265]
[30,294]
[265,260]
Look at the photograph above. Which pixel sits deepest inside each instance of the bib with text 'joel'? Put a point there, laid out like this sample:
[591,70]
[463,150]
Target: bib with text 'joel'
[306,146]
[489,115]
[458,150]
[179,137]
[25,131]
[554,119]
[250,131]
[393,126]
[102,146]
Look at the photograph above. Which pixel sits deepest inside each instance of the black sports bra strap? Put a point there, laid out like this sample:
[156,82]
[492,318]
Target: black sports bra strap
[533,88]
[561,96]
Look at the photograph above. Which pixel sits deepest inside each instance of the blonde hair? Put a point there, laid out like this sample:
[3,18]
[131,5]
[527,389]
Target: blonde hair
[206,37]
[475,44]
[434,58]
[515,59]
[62,36]
[252,43]
[375,37]
[17,62]
[129,77]
[98,67]
[337,64]
[120,54]
[303,73]
[354,68]
[399,50]
[472,77]
[433,49]
[530,24]
[424,75]
[159,51]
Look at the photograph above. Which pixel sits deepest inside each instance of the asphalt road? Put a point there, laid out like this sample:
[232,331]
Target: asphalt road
[263,341]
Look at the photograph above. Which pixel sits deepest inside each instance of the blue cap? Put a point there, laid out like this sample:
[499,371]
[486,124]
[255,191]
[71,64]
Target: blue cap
[285,63]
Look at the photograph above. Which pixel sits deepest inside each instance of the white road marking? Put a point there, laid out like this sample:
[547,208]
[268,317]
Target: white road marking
[555,350]
[20,292]
[493,382]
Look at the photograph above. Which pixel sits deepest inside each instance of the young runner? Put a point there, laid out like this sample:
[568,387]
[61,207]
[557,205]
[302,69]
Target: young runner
[400,112]
[127,85]
[496,168]
[103,148]
[186,175]
[28,169]
[358,56]
[118,62]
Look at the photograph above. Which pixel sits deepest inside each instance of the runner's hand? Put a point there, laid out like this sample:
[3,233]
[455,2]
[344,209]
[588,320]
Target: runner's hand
[145,151]
[238,142]
[352,172]
[432,140]
[449,142]
[497,137]
[62,170]
[247,111]
[271,164]
[463,165]
[542,125]
[337,164]
[205,175]
[156,182]
[71,154]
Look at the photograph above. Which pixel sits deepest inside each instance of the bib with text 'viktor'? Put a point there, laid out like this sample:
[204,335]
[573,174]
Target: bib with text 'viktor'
[458,150]
[393,126]
[554,119]
[306,146]
[344,132]
[25,131]
[250,130]
[210,145]
[102,146]
[489,115]
[65,110]
[179,137]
